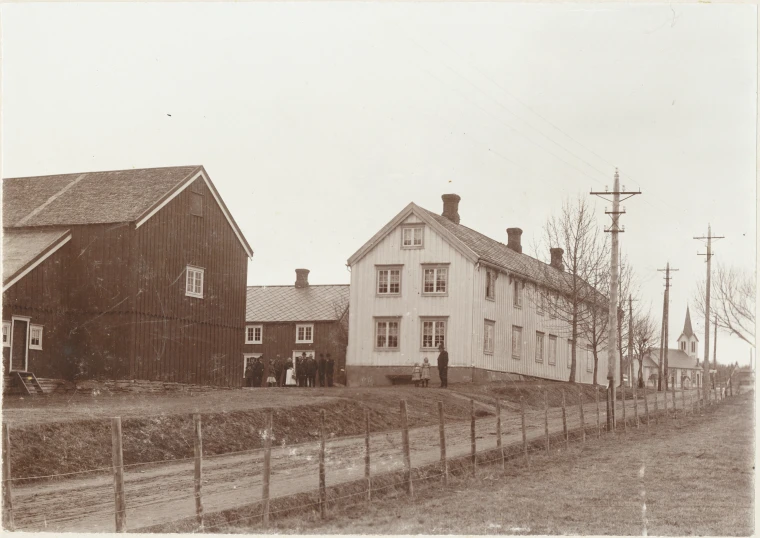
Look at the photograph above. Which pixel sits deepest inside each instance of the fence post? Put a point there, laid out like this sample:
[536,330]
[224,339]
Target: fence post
[367,477]
[622,401]
[473,449]
[656,407]
[683,400]
[646,405]
[598,418]
[546,421]
[607,424]
[583,422]
[405,446]
[267,467]
[564,422]
[499,445]
[635,405]
[7,491]
[675,406]
[117,462]
[524,435]
[322,485]
[198,445]
[442,432]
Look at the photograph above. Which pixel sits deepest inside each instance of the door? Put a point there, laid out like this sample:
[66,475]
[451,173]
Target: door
[297,354]
[19,344]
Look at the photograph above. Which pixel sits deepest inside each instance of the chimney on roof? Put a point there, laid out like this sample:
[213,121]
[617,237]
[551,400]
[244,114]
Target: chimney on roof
[302,278]
[513,241]
[557,254]
[451,207]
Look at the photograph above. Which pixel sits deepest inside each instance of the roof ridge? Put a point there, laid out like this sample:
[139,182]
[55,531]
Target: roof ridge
[193,166]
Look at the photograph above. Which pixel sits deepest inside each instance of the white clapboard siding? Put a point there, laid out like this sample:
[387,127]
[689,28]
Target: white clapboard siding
[505,315]
[456,307]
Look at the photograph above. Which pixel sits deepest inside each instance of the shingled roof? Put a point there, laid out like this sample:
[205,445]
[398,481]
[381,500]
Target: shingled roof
[290,304]
[676,359]
[25,249]
[688,332]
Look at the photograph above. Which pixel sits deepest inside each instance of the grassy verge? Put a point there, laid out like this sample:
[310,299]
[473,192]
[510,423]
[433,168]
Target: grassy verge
[691,476]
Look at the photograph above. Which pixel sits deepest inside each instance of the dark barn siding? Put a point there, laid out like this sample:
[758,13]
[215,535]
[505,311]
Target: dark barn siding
[181,338]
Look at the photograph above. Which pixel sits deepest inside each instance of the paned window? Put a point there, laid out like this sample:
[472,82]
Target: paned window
[35,337]
[386,334]
[6,334]
[552,349]
[488,336]
[305,334]
[517,342]
[517,293]
[253,334]
[194,282]
[435,280]
[490,284]
[539,347]
[433,333]
[412,237]
[389,281]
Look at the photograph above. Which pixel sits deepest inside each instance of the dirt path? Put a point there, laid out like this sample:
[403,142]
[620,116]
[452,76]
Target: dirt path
[164,492]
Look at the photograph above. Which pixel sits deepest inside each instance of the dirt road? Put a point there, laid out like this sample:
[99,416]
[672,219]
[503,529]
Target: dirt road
[160,493]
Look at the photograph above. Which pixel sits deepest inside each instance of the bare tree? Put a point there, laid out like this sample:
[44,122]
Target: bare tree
[593,325]
[645,340]
[732,301]
[627,288]
[585,252]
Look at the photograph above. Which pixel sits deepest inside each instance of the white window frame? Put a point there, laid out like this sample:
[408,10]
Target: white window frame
[540,346]
[413,228]
[552,357]
[436,268]
[305,326]
[253,328]
[517,342]
[191,292]
[489,336]
[517,289]
[6,334]
[247,356]
[491,277]
[389,269]
[387,322]
[435,321]
[33,328]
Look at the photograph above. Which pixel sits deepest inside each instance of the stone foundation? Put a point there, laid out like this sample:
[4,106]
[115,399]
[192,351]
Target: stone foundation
[375,376]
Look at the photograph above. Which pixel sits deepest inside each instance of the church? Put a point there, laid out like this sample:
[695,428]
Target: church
[684,370]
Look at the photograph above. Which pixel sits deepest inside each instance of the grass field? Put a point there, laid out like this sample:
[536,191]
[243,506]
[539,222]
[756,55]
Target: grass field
[693,476]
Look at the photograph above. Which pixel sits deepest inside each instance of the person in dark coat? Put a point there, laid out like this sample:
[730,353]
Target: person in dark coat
[443,365]
[301,370]
[321,369]
[258,372]
[278,371]
[311,371]
[249,374]
[329,370]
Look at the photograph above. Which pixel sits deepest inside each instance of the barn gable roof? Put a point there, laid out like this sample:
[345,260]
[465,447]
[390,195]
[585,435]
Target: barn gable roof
[25,249]
[101,197]
[286,304]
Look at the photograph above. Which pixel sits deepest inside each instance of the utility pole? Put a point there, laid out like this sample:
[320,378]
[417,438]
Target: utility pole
[665,337]
[630,340]
[715,345]
[709,255]
[614,229]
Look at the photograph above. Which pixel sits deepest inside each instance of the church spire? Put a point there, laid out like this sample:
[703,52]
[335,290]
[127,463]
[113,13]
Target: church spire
[687,330]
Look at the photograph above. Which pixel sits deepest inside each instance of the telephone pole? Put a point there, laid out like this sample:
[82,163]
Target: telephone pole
[614,230]
[715,345]
[665,337]
[630,340]
[709,255]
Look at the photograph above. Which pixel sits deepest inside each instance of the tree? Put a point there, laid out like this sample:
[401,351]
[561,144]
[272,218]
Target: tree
[585,253]
[732,301]
[644,341]
[593,324]
[627,287]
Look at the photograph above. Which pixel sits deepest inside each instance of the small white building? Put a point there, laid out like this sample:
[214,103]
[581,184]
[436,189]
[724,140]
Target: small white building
[425,278]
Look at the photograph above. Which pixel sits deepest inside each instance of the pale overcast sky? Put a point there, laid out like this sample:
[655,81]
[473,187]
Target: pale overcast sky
[319,122]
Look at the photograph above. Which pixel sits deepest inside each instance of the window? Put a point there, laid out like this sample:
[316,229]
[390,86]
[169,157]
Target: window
[194,283]
[516,342]
[490,284]
[389,281]
[6,334]
[517,293]
[488,336]
[589,359]
[683,346]
[693,347]
[196,204]
[552,349]
[305,334]
[253,334]
[386,334]
[433,333]
[411,237]
[569,353]
[35,337]
[435,280]
[539,347]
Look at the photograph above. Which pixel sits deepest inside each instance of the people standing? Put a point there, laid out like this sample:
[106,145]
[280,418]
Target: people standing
[443,365]
[271,377]
[321,369]
[248,374]
[425,372]
[330,370]
[258,373]
[311,371]
[416,374]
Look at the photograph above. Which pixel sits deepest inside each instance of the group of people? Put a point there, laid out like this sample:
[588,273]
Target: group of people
[308,371]
[421,373]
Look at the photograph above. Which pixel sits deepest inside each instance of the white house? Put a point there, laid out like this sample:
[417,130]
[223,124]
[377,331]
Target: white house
[424,279]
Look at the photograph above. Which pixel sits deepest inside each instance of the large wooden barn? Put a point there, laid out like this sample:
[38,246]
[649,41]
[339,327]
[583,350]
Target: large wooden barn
[426,279]
[132,274]
[292,320]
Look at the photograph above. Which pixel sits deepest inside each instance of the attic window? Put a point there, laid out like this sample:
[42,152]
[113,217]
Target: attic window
[412,236]
[196,204]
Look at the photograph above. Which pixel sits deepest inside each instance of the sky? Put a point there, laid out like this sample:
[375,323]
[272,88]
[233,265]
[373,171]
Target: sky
[318,123]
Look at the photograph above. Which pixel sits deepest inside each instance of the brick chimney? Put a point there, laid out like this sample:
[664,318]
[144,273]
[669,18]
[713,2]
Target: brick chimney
[513,241]
[557,254]
[451,207]
[302,278]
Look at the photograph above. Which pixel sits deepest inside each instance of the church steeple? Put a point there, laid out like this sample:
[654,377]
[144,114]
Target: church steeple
[688,341]
[687,331]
